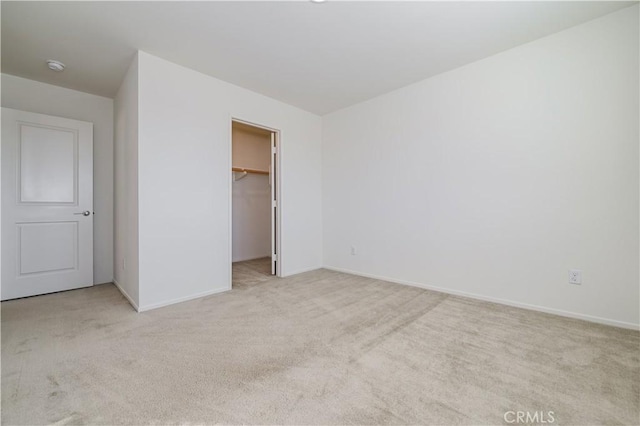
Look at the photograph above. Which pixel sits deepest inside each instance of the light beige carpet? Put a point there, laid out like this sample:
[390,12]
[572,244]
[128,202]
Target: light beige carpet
[316,348]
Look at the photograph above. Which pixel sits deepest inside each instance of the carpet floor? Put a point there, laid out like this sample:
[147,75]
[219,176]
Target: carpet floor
[316,348]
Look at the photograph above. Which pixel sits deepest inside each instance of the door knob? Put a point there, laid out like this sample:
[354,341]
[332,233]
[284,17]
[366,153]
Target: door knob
[84,213]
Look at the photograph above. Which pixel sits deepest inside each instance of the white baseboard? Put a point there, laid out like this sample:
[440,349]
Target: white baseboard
[250,258]
[537,308]
[182,299]
[126,296]
[302,271]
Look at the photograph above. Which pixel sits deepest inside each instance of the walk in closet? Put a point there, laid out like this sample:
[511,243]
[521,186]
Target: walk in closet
[253,192]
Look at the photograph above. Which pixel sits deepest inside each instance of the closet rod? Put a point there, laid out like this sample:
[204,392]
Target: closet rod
[242,169]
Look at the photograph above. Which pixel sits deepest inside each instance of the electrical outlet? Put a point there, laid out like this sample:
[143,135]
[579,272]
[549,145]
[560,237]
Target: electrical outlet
[353,251]
[575,276]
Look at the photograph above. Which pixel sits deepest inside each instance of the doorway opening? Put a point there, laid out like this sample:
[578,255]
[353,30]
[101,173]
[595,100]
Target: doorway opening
[255,210]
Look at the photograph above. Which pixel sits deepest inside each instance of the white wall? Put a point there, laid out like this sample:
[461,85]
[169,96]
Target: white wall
[496,178]
[28,95]
[126,186]
[251,218]
[251,195]
[185,181]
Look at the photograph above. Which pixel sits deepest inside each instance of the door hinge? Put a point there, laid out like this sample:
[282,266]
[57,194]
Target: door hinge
[275,257]
[274,204]
[274,150]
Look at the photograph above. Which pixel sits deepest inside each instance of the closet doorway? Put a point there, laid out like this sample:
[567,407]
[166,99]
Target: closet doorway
[255,242]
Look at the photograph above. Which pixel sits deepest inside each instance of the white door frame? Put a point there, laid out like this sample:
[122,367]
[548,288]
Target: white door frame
[277,176]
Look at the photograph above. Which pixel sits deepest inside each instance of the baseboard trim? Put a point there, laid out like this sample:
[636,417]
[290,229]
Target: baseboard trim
[126,295]
[506,302]
[251,258]
[182,299]
[302,271]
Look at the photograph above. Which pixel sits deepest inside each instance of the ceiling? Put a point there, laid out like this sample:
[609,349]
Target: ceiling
[319,57]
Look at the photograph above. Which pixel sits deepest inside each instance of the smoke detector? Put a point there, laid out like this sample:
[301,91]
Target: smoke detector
[56,66]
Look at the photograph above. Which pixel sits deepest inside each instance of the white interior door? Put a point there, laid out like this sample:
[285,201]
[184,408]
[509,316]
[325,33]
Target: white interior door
[47,204]
[274,204]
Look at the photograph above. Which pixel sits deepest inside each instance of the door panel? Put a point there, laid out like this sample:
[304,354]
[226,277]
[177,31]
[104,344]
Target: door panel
[47,247]
[47,204]
[48,164]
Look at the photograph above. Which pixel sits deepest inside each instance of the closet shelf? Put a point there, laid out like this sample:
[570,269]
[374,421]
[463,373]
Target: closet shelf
[242,169]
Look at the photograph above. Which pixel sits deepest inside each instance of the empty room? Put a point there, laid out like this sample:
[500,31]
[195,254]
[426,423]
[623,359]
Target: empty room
[320,212]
